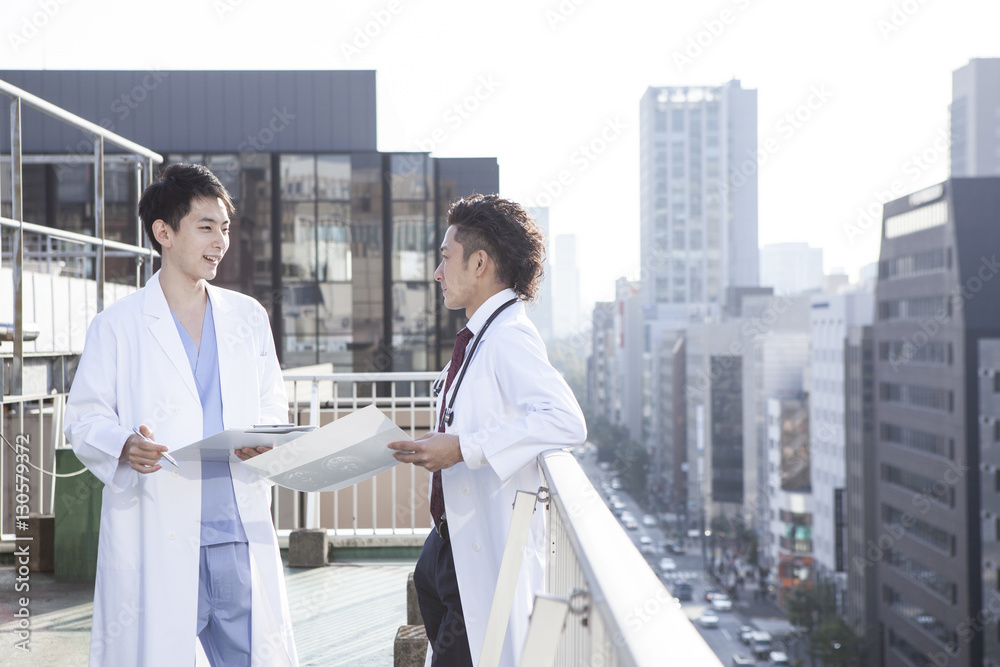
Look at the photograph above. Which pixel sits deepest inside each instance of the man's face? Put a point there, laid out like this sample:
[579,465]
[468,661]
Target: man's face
[457,277]
[201,240]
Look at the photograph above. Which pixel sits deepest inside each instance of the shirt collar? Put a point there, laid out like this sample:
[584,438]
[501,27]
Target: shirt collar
[484,311]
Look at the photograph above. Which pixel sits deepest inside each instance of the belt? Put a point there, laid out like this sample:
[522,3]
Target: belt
[442,528]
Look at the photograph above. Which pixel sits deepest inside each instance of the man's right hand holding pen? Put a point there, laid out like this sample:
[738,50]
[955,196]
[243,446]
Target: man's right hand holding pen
[142,453]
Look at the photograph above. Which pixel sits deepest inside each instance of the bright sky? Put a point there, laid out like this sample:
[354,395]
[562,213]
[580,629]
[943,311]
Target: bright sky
[536,82]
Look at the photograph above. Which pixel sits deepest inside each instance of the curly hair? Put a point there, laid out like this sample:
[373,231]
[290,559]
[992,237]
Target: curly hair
[505,231]
[169,197]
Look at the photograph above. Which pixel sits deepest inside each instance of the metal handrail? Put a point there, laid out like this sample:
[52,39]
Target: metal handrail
[635,615]
[74,237]
[74,120]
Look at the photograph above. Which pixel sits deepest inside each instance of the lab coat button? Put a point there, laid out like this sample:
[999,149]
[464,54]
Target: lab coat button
[171,536]
[465,491]
[475,547]
[482,462]
[175,474]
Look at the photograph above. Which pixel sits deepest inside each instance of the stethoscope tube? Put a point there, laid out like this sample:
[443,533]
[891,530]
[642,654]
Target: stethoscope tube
[448,416]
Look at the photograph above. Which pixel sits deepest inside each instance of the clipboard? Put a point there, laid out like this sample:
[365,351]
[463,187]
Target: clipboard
[340,454]
[218,447]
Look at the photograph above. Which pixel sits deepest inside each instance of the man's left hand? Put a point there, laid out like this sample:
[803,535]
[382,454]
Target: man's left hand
[434,451]
[250,452]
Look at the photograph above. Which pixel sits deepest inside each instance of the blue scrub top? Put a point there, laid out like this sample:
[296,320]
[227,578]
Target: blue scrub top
[220,516]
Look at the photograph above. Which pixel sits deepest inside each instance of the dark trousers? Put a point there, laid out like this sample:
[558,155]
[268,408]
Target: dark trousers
[440,605]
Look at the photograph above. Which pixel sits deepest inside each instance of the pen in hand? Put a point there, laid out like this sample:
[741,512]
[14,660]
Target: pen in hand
[168,457]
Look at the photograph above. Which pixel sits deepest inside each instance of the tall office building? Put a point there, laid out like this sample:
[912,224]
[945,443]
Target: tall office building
[861,599]
[337,240]
[565,287]
[540,311]
[937,299]
[698,193]
[832,316]
[791,268]
[975,118]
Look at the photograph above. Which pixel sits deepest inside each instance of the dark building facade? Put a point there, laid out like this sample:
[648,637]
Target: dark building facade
[861,599]
[937,298]
[337,240]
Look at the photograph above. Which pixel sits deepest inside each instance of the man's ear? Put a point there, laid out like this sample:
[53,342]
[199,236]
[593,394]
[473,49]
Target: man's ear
[482,262]
[161,232]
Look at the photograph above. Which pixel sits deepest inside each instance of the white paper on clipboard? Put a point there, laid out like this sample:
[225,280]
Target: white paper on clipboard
[218,447]
[344,452]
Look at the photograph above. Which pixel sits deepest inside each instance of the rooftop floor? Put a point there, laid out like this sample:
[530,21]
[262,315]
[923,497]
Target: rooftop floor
[344,614]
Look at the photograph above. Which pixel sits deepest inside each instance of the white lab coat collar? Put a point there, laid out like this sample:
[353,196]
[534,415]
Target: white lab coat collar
[484,311]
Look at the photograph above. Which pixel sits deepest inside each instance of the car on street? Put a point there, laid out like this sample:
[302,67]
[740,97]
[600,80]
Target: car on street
[648,520]
[682,591]
[616,484]
[709,592]
[618,507]
[779,658]
[645,539]
[667,565]
[745,633]
[721,602]
[708,619]
[741,659]
[677,548]
[761,644]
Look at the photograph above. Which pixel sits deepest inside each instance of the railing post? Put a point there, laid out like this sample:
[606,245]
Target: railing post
[99,216]
[312,499]
[17,212]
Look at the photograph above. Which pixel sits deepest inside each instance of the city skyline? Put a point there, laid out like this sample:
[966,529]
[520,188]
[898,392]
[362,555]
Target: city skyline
[848,115]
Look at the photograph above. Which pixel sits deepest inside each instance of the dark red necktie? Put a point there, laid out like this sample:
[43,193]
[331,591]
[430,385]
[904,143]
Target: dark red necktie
[457,355]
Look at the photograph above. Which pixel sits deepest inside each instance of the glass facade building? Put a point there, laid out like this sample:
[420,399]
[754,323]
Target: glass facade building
[337,240]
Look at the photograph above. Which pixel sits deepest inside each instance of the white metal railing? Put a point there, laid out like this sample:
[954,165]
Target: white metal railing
[620,612]
[390,507]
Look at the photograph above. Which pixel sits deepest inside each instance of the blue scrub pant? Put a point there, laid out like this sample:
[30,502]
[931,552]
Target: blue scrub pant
[224,602]
[440,605]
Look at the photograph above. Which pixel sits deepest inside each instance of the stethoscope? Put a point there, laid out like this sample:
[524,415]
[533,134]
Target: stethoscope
[449,415]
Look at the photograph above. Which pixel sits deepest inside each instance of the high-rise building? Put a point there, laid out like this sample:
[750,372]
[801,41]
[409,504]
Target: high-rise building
[861,599]
[565,287]
[790,549]
[937,300]
[975,118]
[540,311]
[698,193]
[337,240]
[791,268]
[831,317]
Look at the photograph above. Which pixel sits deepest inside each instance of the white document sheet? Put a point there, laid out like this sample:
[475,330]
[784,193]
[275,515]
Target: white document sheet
[218,447]
[342,453]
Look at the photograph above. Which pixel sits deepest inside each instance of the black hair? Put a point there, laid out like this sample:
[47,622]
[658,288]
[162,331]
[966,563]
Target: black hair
[169,198]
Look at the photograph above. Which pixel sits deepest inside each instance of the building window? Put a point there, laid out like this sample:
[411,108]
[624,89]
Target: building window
[919,219]
[928,398]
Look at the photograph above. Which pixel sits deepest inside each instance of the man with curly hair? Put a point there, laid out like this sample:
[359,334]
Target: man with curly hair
[508,406]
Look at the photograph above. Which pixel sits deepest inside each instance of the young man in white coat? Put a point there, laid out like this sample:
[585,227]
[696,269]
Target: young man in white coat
[186,553]
[509,407]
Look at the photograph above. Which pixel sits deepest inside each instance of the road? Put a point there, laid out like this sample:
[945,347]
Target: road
[723,640]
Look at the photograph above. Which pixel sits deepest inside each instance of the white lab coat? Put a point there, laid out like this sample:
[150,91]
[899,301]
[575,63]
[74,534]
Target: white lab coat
[134,371]
[512,406]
